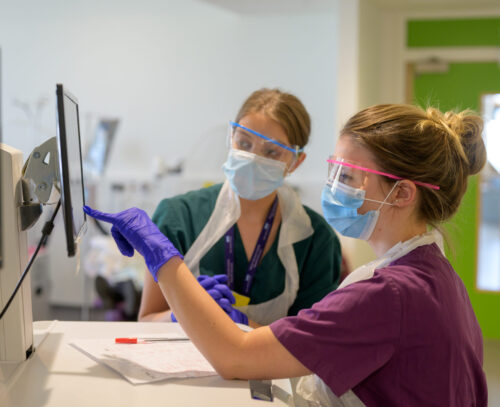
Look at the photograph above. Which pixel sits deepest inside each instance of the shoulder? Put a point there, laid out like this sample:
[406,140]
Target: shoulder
[381,292]
[191,200]
[422,267]
[373,302]
[198,203]
[425,278]
[421,282]
[315,217]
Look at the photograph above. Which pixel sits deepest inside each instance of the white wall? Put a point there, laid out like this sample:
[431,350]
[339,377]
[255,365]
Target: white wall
[370,29]
[174,72]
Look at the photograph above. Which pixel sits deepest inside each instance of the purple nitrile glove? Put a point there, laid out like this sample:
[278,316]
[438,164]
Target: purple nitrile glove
[133,229]
[218,290]
[227,297]
[216,286]
[236,315]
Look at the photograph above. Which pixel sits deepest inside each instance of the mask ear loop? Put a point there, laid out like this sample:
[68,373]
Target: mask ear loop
[388,195]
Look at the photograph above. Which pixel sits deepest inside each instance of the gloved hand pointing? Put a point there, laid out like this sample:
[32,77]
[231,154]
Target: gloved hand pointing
[133,229]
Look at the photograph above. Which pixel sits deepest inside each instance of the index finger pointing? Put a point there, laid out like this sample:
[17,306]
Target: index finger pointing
[106,217]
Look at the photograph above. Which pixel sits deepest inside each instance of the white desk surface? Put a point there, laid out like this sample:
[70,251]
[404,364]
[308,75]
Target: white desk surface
[57,374]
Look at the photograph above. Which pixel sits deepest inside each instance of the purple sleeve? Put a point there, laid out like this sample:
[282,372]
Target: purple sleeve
[348,335]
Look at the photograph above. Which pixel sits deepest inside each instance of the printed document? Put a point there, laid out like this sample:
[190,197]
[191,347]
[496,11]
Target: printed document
[148,362]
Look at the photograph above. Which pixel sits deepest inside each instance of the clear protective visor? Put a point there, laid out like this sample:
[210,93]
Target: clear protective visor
[354,175]
[345,172]
[348,179]
[245,139]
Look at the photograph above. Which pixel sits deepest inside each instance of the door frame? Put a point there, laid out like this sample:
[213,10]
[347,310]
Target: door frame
[417,61]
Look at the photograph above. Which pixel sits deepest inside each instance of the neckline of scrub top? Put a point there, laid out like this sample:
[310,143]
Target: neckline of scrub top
[257,253]
[268,260]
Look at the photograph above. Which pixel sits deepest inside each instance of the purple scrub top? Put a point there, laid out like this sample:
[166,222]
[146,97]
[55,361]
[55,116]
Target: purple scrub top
[405,337]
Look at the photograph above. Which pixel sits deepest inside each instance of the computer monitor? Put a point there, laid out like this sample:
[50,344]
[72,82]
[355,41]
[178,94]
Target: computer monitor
[70,167]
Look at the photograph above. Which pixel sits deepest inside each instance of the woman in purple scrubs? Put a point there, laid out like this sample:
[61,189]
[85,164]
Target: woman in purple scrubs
[400,331]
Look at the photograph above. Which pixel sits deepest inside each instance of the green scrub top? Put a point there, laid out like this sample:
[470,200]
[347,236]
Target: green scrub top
[183,217]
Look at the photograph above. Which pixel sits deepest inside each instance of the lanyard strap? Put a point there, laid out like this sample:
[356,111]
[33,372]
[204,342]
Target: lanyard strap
[257,252]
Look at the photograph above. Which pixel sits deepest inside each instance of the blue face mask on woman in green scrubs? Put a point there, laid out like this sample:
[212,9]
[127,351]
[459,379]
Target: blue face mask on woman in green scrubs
[256,164]
[251,176]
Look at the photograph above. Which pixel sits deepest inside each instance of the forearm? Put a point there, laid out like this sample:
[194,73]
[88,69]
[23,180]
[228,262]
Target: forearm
[154,307]
[232,352]
[163,316]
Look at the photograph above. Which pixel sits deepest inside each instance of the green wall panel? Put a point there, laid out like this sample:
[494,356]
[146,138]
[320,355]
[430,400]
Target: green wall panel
[453,32]
[462,88]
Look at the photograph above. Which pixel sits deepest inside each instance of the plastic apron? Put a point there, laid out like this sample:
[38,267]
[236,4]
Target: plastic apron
[295,226]
[311,388]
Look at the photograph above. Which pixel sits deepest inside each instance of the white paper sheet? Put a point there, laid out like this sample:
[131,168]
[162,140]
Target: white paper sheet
[148,362]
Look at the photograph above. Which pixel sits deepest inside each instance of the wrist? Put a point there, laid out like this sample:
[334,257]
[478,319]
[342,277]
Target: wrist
[170,264]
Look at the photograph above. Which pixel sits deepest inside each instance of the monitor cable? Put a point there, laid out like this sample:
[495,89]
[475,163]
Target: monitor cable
[46,231]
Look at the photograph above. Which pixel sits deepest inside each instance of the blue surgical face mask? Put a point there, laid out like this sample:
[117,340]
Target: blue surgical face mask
[251,176]
[340,205]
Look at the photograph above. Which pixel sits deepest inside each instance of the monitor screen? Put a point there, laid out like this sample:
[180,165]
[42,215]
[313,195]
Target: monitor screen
[70,167]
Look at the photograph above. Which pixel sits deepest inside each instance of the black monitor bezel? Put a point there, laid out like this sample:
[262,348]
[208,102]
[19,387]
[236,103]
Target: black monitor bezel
[64,179]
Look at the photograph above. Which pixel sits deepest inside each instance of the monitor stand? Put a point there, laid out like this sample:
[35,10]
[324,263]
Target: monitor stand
[16,327]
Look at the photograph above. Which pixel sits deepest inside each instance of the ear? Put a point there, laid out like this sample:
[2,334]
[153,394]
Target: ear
[405,194]
[296,164]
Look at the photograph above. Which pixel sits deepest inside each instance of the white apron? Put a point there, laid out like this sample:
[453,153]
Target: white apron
[295,226]
[311,388]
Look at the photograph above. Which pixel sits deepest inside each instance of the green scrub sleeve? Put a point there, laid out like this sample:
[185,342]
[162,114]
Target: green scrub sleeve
[320,271]
[182,218]
[174,227]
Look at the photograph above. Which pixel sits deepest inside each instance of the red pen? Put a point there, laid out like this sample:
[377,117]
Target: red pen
[147,340]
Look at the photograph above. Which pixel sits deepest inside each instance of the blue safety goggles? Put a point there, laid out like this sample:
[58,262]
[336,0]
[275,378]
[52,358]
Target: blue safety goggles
[243,138]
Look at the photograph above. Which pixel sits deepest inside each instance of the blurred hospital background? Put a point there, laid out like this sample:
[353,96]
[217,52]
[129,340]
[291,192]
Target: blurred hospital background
[158,81]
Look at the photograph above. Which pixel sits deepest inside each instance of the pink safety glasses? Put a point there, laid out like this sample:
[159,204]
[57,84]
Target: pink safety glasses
[353,175]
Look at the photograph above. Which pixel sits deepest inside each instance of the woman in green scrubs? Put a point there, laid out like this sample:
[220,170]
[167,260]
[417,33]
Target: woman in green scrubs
[279,256]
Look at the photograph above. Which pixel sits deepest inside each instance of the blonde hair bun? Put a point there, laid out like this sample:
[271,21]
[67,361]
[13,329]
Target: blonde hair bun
[467,128]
